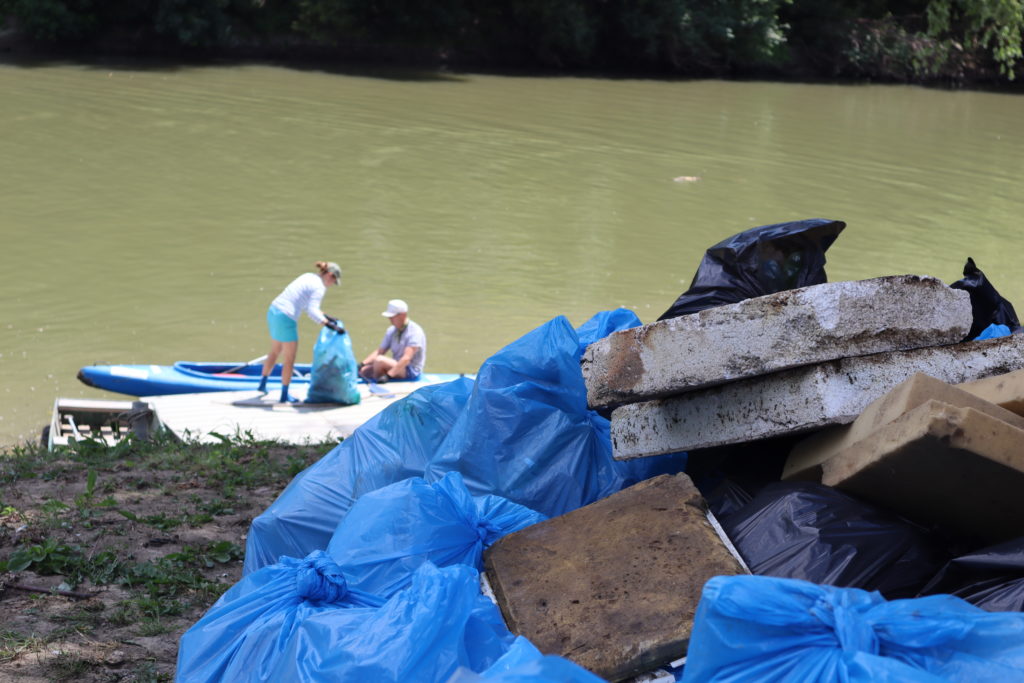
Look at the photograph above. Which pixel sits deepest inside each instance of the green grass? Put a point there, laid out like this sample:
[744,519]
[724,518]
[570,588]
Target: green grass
[235,462]
[110,521]
[67,667]
[13,644]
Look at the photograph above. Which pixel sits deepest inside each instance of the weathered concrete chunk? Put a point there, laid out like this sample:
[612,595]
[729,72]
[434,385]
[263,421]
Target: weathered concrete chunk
[774,332]
[614,585]
[798,400]
[1006,390]
[956,467]
[808,455]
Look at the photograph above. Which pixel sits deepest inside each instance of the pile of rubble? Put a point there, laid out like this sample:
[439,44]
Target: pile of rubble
[781,480]
[863,391]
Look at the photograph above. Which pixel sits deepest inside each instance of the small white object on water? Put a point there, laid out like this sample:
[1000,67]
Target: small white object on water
[686,179]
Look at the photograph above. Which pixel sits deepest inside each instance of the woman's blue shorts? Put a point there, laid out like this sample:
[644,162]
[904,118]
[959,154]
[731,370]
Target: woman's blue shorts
[282,328]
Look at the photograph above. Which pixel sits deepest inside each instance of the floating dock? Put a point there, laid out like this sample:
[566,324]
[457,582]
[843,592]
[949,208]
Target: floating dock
[200,416]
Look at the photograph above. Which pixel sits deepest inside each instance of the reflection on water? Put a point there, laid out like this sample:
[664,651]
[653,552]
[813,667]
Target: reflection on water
[150,216]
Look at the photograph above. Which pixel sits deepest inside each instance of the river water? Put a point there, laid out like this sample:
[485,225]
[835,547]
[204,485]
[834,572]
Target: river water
[150,215]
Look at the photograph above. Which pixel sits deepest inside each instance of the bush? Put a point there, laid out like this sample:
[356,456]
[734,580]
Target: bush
[882,49]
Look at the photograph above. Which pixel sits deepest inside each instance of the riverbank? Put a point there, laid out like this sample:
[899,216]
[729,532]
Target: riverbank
[108,555]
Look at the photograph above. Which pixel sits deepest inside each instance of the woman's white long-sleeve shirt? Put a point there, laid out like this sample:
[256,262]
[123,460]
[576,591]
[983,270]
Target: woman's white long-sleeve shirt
[303,294]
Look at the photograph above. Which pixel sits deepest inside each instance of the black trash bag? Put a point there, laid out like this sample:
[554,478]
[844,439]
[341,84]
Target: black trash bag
[991,578]
[759,261]
[987,305]
[730,476]
[809,531]
[726,499]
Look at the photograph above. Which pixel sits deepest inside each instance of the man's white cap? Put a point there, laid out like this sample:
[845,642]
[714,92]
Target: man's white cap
[395,306]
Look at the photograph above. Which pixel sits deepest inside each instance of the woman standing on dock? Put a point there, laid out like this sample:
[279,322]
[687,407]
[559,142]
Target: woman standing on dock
[303,294]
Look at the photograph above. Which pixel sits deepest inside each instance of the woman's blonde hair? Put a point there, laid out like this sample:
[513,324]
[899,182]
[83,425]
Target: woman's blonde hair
[325,267]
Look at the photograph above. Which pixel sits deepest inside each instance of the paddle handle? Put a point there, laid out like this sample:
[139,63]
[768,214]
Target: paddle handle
[243,365]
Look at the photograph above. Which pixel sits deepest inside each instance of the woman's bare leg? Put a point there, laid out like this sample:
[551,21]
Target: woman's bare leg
[268,363]
[271,359]
[288,352]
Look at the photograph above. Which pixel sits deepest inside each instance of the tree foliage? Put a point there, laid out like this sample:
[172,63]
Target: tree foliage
[994,25]
[675,34]
[890,39]
[53,20]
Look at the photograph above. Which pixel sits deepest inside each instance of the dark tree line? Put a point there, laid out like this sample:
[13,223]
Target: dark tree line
[907,40]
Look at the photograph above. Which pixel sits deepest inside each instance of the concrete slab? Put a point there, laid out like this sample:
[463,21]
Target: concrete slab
[807,456]
[614,585]
[1006,391]
[798,400]
[939,464]
[771,333]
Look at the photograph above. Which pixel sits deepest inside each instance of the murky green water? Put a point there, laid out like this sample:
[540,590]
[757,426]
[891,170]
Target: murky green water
[151,215]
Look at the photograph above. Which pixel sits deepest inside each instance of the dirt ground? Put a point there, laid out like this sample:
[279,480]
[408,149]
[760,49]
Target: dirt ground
[110,554]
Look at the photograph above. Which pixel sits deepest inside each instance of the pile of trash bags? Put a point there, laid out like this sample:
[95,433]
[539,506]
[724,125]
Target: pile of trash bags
[366,567]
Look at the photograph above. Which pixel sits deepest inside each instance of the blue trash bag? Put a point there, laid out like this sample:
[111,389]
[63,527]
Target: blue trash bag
[527,435]
[390,532]
[603,324]
[237,639]
[524,663]
[993,331]
[421,635]
[393,445]
[334,376]
[298,621]
[759,628]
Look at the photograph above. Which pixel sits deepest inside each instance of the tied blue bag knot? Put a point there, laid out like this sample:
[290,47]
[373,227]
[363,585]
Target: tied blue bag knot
[318,578]
[854,631]
[489,532]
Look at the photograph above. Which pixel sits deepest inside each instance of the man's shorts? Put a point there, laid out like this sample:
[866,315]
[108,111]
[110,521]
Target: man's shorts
[282,328]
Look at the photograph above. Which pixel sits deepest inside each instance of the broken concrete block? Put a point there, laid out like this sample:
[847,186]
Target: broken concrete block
[805,460]
[1006,390]
[614,585]
[798,400]
[939,464]
[769,333]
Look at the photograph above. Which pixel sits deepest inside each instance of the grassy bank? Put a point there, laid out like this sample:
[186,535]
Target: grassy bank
[109,554]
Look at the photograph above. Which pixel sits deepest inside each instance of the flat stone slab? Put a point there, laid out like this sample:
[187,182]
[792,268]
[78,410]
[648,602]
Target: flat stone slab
[798,400]
[805,460]
[1006,391]
[775,332]
[614,585]
[939,464]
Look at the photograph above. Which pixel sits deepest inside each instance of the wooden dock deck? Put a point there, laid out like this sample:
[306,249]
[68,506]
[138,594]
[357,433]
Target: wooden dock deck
[199,416]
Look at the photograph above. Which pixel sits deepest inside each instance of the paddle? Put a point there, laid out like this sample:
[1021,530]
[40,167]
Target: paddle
[371,383]
[377,389]
[243,365]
